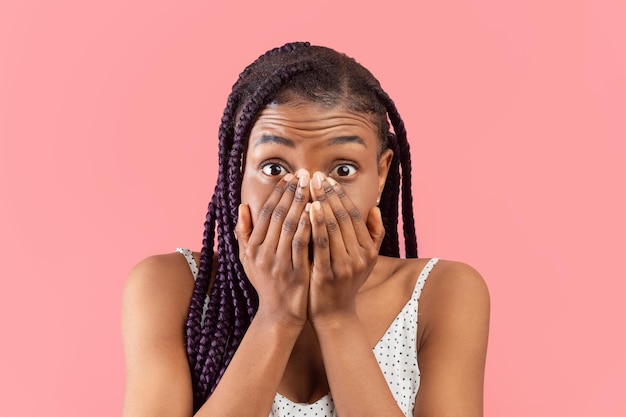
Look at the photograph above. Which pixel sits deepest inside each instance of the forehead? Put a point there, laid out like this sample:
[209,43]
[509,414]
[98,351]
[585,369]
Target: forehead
[302,120]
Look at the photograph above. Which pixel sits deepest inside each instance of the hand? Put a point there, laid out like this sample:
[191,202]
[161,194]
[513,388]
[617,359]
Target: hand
[345,249]
[275,253]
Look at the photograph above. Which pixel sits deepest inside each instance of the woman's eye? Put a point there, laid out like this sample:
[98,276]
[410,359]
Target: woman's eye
[344,170]
[273,169]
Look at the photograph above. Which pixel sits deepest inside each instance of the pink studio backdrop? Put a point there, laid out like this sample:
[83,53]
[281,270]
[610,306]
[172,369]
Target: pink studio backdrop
[516,115]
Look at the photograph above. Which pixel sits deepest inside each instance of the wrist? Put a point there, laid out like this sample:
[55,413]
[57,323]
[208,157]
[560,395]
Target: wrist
[336,321]
[284,323]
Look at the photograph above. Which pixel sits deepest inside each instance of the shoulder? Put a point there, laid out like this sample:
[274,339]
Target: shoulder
[451,279]
[154,310]
[159,273]
[455,299]
[158,286]
[453,316]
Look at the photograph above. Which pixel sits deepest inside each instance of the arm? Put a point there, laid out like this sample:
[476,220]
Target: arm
[345,248]
[158,379]
[155,309]
[356,381]
[452,342]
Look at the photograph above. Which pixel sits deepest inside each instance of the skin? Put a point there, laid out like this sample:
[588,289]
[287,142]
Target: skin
[309,233]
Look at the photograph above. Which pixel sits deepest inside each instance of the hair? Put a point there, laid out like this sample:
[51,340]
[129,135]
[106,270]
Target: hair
[294,71]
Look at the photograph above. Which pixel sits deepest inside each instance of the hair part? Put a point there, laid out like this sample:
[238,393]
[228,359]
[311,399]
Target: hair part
[295,71]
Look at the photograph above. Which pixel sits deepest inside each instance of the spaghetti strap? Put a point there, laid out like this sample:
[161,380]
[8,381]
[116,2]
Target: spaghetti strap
[193,266]
[421,280]
[190,260]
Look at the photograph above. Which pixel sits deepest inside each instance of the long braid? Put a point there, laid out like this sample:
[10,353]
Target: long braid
[233,300]
[399,175]
[316,74]
[389,203]
[408,220]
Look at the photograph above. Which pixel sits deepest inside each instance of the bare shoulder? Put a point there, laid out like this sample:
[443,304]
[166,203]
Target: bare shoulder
[156,296]
[453,329]
[455,296]
[450,280]
[155,303]
[158,286]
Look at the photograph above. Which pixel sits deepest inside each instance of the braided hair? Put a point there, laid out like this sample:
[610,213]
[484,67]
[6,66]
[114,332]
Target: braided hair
[295,70]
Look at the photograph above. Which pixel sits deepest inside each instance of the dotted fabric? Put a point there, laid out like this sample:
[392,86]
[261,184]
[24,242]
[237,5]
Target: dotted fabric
[396,353]
[194,271]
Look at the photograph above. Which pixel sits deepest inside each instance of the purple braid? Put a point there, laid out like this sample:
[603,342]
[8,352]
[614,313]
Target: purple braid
[400,146]
[316,74]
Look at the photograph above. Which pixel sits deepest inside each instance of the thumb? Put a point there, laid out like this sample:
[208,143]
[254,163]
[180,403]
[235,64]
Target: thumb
[375,226]
[243,229]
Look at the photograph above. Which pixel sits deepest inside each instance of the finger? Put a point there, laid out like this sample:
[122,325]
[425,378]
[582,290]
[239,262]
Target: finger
[243,229]
[347,215]
[280,213]
[292,219]
[359,225]
[376,227]
[273,211]
[300,242]
[319,234]
[323,192]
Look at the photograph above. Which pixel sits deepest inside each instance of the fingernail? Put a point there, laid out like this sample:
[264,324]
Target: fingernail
[307,207]
[317,206]
[288,177]
[331,181]
[304,180]
[317,180]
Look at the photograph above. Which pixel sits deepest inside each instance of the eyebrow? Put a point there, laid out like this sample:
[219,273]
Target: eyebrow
[275,139]
[278,140]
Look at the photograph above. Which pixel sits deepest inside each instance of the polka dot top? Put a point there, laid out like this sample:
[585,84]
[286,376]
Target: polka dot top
[396,353]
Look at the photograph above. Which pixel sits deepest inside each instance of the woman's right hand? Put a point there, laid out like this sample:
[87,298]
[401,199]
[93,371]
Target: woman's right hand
[275,253]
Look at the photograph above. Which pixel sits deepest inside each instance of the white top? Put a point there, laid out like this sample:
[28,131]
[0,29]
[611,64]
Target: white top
[396,353]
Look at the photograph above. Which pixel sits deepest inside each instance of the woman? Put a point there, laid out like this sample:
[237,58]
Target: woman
[306,308]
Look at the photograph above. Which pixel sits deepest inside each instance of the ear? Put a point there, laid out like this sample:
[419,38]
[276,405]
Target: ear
[384,162]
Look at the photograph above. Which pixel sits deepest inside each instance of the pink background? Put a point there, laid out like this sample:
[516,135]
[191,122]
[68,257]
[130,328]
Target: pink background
[516,114]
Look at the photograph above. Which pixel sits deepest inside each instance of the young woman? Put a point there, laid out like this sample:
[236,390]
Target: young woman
[306,308]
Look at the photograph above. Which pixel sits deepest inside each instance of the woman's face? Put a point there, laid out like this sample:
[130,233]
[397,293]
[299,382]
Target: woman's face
[337,142]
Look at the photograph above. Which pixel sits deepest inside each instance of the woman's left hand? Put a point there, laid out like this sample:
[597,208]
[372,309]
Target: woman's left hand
[345,250]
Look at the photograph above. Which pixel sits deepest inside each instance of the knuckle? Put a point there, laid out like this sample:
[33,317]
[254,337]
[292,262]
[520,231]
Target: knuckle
[247,253]
[340,193]
[355,214]
[280,187]
[266,211]
[328,189]
[299,242]
[332,227]
[291,187]
[262,263]
[279,213]
[360,264]
[340,270]
[289,225]
[321,241]
[319,221]
[303,223]
[299,196]
[342,216]
[279,271]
